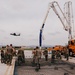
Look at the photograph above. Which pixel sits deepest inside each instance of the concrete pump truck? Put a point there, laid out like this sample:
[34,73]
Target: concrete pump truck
[67,23]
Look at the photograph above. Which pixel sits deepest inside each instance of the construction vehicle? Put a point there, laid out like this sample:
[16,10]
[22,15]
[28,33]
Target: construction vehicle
[71,46]
[69,15]
[67,22]
[58,47]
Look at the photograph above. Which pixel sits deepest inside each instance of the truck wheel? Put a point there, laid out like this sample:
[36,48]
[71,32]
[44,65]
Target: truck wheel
[71,53]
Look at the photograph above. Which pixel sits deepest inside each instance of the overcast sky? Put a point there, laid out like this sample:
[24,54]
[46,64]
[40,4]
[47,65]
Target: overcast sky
[26,17]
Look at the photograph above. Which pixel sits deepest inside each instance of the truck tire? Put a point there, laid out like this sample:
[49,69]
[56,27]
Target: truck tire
[70,53]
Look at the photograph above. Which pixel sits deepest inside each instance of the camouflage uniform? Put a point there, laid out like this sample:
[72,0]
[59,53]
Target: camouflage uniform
[58,54]
[37,58]
[53,56]
[21,58]
[34,55]
[38,55]
[2,56]
[67,55]
[9,54]
[5,57]
[45,53]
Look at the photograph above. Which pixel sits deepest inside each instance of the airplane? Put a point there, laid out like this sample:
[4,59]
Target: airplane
[15,34]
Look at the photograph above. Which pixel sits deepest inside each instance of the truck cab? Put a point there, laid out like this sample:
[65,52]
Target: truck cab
[71,45]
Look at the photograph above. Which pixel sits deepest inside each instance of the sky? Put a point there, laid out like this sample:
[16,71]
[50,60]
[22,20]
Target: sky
[26,17]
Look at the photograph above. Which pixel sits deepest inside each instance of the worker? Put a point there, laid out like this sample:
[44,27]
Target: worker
[67,53]
[6,55]
[9,53]
[21,57]
[53,55]
[38,57]
[2,56]
[45,53]
[34,55]
[58,54]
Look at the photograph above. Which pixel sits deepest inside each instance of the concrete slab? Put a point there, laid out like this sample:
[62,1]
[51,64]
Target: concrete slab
[6,69]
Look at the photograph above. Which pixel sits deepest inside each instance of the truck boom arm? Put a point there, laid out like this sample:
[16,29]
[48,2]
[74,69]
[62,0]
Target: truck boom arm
[53,6]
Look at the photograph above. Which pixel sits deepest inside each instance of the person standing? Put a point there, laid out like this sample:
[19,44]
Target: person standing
[45,53]
[2,56]
[58,54]
[38,57]
[21,57]
[67,53]
[34,55]
[10,54]
[6,55]
[53,56]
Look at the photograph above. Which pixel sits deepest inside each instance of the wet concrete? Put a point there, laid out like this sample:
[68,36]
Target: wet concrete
[47,68]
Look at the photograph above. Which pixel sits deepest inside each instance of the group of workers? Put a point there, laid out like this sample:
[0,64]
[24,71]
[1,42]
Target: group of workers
[9,52]
[7,55]
[56,54]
